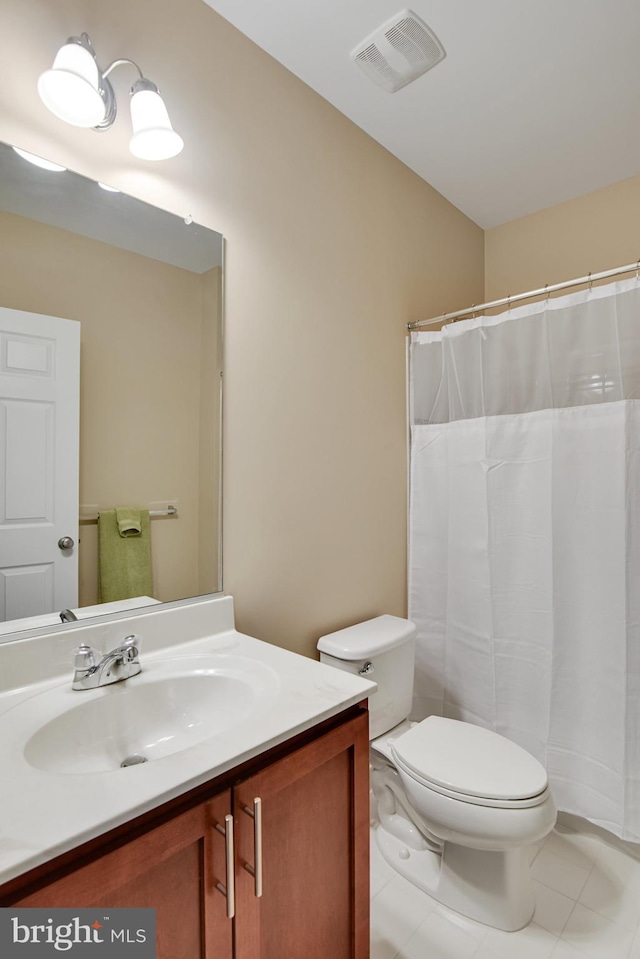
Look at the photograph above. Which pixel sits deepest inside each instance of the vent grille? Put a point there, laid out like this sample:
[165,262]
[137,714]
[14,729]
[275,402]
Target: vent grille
[398,52]
[373,59]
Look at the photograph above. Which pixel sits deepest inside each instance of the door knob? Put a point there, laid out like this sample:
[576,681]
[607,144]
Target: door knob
[66,543]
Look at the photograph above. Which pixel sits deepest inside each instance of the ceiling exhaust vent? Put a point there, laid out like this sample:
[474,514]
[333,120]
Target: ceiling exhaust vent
[398,52]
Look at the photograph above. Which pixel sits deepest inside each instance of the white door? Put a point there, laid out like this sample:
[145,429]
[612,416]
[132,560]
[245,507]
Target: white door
[39,439]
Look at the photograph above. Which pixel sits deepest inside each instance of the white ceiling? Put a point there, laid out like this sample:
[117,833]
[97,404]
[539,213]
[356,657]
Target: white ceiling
[536,102]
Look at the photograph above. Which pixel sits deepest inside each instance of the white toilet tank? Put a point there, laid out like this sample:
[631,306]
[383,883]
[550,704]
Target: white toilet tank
[388,644]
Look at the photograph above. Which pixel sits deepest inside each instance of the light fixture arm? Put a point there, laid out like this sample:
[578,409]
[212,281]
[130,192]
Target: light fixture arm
[140,84]
[110,102]
[118,63]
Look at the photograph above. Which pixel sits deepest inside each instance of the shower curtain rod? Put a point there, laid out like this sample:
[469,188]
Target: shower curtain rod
[509,300]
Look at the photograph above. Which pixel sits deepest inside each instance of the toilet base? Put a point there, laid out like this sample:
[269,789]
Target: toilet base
[491,887]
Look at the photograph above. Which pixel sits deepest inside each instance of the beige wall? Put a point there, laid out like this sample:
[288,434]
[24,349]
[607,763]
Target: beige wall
[588,235]
[332,247]
[144,344]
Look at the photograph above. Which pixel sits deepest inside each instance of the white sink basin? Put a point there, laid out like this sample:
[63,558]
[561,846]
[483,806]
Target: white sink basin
[169,707]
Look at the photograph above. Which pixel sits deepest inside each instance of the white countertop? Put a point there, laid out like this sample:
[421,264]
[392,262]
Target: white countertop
[43,813]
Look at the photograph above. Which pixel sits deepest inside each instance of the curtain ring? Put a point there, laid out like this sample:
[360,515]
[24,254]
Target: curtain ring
[508,302]
[638,270]
[590,283]
[547,294]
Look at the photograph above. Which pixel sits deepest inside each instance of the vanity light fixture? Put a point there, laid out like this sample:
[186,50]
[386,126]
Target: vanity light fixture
[77,91]
[40,161]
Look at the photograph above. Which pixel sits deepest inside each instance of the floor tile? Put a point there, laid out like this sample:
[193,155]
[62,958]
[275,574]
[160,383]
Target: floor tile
[532,851]
[377,882]
[396,912]
[381,948]
[477,930]
[617,864]
[560,874]
[485,953]
[438,938]
[552,908]
[586,832]
[532,942]
[617,899]
[581,850]
[564,950]
[597,936]
[635,947]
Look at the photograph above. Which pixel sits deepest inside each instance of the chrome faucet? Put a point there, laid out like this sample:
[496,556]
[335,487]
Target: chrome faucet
[68,616]
[121,663]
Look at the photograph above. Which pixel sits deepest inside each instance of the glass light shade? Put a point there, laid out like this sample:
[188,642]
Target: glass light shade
[153,136]
[71,88]
[40,161]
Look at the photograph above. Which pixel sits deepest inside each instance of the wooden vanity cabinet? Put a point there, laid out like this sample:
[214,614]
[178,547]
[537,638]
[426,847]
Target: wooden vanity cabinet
[173,868]
[315,852]
[304,807]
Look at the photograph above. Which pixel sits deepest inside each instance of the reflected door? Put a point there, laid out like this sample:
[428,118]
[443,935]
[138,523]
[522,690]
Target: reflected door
[39,442]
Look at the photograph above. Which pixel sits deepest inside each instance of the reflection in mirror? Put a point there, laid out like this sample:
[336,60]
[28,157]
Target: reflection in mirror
[143,288]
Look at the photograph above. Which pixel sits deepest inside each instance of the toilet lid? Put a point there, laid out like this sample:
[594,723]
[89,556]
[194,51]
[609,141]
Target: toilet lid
[469,760]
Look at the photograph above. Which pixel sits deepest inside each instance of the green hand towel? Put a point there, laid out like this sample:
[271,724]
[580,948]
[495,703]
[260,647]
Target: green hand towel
[124,562]
[128,520]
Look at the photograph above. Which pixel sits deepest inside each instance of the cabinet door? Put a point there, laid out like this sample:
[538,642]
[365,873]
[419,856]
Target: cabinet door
[174,868]
[314,807]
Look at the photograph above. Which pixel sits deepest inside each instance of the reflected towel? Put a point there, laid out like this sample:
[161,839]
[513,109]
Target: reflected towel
[128,520]
[124,562]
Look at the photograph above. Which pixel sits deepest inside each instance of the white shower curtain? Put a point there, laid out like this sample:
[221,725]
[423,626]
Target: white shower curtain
[525,538]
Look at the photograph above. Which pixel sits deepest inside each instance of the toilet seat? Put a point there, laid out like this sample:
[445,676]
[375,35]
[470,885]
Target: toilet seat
[470,764]
[477,800]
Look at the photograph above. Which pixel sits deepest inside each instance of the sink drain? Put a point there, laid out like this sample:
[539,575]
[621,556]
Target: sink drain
[133,761]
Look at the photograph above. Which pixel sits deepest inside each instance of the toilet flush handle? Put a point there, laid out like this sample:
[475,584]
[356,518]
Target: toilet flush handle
[366,669]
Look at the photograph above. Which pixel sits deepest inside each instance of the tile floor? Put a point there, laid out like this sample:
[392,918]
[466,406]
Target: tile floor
[588,907]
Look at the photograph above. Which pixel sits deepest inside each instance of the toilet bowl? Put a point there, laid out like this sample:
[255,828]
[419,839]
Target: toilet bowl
[458,806]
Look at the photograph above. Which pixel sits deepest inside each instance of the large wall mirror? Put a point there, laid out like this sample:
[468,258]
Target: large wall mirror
[144,288]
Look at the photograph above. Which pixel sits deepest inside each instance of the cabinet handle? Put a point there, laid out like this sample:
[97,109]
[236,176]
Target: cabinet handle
[230,889]
[256,872]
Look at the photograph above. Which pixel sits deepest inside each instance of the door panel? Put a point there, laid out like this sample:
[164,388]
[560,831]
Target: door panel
[39,439]
[28,443]
[23,587]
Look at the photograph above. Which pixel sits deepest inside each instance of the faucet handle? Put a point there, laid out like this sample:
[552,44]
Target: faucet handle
[84,657]
[132,645]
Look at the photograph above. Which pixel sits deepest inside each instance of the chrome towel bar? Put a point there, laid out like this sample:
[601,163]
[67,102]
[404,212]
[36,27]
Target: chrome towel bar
[169,511]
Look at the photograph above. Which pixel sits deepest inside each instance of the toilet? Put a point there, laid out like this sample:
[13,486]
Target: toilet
[457,806]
